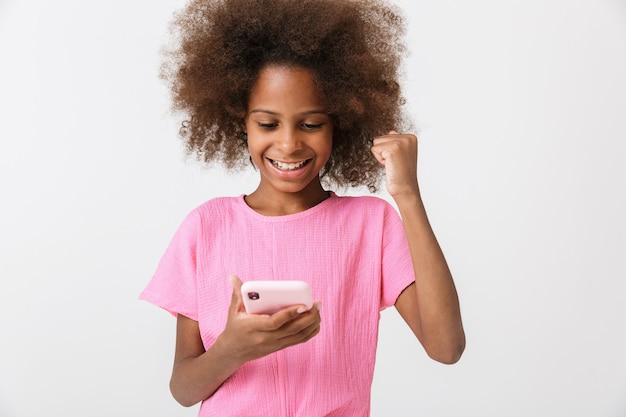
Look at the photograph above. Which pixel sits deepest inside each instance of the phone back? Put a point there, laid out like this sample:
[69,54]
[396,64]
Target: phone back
[268,297]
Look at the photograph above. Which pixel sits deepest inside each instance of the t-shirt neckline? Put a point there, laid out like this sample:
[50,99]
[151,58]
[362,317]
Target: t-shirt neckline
[244,207]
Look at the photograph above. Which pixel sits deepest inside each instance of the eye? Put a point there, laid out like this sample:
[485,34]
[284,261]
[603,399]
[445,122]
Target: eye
[312,126]
[268,126]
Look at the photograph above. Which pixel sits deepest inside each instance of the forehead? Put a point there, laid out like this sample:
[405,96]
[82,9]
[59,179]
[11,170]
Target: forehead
[285,87]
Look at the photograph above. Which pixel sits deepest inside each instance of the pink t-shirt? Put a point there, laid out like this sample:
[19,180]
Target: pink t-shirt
[354,253]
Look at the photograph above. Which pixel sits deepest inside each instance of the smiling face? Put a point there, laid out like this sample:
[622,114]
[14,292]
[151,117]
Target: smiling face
[289,134]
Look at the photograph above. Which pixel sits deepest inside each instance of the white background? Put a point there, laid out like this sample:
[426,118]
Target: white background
[521,109]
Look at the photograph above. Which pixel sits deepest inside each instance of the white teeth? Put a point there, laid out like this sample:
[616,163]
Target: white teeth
[288,167]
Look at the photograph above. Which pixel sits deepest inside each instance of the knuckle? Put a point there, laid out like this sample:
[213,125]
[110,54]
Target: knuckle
[275,323]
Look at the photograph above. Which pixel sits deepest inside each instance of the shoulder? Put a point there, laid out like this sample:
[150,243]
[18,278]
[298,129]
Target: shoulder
[216,206]
[206,213]
[366,204]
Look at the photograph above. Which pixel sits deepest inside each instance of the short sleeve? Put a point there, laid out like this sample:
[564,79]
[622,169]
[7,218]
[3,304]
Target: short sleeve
[397,266]
[173,285]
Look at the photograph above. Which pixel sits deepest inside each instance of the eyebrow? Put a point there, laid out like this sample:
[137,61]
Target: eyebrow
[273,113]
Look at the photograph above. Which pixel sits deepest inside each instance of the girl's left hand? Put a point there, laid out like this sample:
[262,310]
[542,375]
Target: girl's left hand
[398,154]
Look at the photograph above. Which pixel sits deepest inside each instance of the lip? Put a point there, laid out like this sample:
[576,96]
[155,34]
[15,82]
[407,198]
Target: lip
[289,174]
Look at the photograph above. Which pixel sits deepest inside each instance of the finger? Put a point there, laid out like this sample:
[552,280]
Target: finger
[380,152]
[302,333]
[383,139]
[303,320]
[236,302]
[282,317]
[286,318]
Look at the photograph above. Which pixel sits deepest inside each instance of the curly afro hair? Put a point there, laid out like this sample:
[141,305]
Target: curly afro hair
[353,48]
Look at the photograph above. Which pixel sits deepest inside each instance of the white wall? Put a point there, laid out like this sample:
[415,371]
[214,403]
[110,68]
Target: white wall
[521,108]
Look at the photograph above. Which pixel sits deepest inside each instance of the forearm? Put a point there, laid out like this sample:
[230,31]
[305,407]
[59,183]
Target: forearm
[195,379]
[437,323]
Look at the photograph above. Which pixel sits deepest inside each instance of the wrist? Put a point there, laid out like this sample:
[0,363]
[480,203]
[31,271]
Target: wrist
[227,353]
[409,198]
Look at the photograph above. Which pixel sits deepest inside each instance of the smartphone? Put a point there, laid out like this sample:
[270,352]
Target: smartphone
[268,297]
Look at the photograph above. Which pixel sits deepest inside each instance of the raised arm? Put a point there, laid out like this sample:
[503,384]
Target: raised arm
[430,306]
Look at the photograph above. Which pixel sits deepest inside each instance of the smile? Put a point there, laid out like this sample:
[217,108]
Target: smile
[283,166]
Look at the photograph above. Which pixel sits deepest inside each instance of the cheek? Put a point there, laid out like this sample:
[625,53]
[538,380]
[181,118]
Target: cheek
[328,147]
[255,150]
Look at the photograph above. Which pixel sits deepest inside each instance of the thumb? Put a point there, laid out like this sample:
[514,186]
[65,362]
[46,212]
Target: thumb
[236,302]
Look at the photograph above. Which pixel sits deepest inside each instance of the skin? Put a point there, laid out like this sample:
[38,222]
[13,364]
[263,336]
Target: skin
[430,305]
[286,124]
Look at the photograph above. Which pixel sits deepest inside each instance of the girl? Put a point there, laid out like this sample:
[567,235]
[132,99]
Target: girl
[307,91]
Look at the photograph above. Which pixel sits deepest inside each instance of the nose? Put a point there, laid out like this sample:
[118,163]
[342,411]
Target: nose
[288,140]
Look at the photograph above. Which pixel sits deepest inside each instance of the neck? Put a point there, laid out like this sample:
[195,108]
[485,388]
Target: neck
[282,204]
